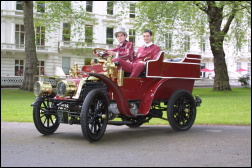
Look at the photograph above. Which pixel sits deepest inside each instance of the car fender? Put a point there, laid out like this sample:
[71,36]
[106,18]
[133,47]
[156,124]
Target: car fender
[122,103]
[149,96]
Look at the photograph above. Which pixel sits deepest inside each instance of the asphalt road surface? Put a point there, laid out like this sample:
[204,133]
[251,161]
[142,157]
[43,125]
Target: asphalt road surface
[148,146]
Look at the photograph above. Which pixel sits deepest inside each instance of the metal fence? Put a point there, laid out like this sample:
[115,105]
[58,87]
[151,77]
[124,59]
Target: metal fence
[18,80]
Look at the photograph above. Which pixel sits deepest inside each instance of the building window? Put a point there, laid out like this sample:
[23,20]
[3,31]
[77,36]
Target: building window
[187,17]
[249,68]
[40,36]
[19,67]
[238,47]
[66,65]
[19,36]
[249,45]
[110,33]
[110,8]
[203,44]
[19,5]
[88,33]
[132,10]
[40,7]
[238,66]
[66,32]
[187,43]
[132,36]
[202,74]
[89,6]
[41,67]
[168,40]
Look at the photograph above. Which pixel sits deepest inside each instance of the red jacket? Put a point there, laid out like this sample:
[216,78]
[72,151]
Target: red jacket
[147,53]
[126,51]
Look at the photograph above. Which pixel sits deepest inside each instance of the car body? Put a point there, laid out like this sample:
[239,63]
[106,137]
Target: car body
[97,94]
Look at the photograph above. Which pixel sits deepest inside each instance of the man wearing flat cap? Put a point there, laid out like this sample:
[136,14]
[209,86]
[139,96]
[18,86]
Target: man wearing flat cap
[125,49]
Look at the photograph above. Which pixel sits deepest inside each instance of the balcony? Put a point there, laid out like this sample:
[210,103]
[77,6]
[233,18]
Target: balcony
[109,19]
[21,48]
[74,45]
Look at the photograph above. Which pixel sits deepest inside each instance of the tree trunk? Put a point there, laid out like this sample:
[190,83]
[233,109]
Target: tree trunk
[221,80]
[215,16]
[30,48]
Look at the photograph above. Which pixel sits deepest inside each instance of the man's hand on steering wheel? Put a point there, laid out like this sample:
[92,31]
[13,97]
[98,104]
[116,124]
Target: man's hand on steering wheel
[96,54]
[111,53]
[103,53]
[100,52]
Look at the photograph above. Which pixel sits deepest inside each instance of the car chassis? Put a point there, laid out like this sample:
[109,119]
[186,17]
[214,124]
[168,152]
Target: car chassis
[97,94]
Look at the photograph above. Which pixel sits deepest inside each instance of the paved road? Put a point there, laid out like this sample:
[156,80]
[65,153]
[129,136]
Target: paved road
[149,146]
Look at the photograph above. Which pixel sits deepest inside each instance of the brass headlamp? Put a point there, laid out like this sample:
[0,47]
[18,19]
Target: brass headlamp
[66,88]
[41,88]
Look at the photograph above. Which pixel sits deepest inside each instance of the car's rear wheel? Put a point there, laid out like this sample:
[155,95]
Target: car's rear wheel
[45,116]
[181,110]
[94,115]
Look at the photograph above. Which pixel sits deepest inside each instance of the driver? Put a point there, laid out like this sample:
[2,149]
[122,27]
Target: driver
[125,49]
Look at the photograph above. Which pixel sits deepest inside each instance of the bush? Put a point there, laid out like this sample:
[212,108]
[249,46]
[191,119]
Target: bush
[244,80]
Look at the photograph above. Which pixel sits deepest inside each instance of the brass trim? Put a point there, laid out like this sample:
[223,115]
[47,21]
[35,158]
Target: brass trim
[120,77]
[82,81]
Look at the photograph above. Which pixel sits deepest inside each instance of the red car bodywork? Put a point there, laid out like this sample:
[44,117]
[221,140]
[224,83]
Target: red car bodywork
[162,79]
[100,93]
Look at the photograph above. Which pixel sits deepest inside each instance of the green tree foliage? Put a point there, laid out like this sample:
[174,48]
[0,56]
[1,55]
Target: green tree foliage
[220,20]
[74,14]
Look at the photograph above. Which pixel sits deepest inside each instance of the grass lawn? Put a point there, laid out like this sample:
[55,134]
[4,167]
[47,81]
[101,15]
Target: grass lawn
[16,105]
[223,107]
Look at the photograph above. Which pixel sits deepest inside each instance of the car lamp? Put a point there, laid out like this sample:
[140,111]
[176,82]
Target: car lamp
[41,88]
[66,88]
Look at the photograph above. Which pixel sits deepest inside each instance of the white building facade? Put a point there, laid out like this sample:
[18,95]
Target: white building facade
[57,50]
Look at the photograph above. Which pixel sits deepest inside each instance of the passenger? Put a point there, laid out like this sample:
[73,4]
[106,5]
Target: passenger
[148,51]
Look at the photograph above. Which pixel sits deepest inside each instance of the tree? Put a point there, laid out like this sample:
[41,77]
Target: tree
[30,48]
[55,13]
[216,14]
[183,17]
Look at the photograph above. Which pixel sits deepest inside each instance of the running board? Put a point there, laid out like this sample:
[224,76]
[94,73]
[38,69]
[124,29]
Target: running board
[119,122]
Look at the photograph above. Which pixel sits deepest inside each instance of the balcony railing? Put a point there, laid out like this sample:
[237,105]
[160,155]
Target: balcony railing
[72,45]
[10,46]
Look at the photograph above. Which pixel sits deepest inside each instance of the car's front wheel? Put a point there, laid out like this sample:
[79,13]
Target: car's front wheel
[45,116]
[94,115]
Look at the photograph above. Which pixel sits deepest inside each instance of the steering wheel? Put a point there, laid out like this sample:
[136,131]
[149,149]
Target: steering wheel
[108,64]
[100,52]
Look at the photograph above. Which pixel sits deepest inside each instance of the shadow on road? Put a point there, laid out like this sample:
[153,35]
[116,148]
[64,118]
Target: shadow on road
[124,134]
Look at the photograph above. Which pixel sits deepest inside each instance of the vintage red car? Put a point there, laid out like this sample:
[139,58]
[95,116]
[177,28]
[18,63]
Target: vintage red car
[97,94]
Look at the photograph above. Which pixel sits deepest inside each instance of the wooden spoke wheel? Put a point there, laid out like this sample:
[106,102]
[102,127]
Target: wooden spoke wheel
[45,116]
[94,115]
[181,110]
